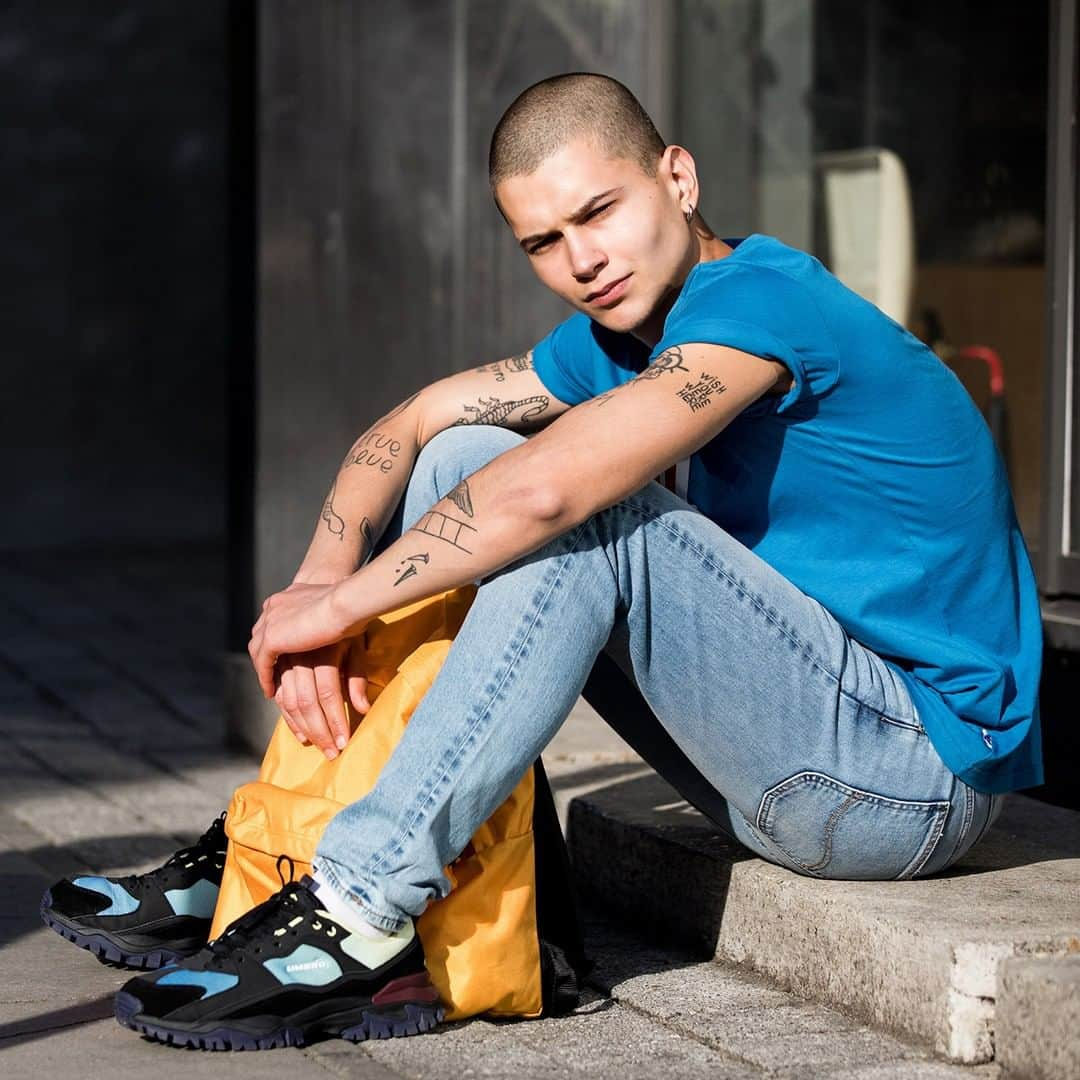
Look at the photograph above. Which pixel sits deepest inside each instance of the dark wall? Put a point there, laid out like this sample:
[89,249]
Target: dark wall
[113,267]
[959,91]
[383,263]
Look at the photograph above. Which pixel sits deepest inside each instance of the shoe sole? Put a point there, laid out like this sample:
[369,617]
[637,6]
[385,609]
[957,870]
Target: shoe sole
[104,946]
[359,1025]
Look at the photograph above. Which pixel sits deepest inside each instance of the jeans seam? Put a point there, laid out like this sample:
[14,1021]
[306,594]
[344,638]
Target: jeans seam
[929,847]
[728,576]
[359,898]
[853,795]
[395,845]
[805,648]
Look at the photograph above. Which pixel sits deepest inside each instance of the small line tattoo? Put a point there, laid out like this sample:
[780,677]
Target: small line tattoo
[668,360]
[443,527]
[400,408]
[510,366]
[334,521]
[367,539]
[409,564]
[699,394]
[461,497]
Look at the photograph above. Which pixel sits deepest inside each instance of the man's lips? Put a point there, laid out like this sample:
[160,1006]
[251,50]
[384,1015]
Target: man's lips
[609,293]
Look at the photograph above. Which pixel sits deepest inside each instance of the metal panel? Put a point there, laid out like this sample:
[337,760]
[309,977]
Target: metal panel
[1059,562]
[383,262]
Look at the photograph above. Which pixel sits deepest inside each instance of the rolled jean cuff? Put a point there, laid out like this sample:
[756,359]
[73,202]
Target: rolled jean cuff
[365,901]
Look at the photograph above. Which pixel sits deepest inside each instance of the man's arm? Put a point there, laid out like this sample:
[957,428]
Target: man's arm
[591,457]
[362,498]
[372,477]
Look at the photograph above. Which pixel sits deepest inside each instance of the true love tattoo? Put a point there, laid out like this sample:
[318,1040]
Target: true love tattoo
[374,449]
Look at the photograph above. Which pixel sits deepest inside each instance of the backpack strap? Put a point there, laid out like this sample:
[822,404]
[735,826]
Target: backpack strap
[563,964]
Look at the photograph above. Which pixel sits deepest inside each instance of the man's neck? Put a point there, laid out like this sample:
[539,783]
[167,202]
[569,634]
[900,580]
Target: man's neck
[709,248]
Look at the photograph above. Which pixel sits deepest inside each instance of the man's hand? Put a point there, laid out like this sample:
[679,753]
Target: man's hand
[310,696]
[302,619]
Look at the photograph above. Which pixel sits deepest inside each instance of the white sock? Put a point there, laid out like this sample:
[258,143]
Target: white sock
[344,913]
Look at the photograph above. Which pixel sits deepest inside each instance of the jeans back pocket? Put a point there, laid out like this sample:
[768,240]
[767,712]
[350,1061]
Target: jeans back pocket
[830,829]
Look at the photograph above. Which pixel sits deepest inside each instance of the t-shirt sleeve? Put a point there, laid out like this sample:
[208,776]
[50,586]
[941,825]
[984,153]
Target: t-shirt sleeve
[763,312]
[564,359]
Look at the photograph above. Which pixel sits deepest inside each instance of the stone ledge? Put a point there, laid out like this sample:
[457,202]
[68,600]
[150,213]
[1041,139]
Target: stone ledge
[917,958]
[1037,1030]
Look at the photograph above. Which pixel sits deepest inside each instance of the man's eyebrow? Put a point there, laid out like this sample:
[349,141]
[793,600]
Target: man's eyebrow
[580,213]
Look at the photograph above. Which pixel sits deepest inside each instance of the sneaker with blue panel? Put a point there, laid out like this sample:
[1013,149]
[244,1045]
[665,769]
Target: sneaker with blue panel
[143,920]
[285,974]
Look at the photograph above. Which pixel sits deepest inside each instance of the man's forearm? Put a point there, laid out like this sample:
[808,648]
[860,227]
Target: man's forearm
[363,495]
[487,521]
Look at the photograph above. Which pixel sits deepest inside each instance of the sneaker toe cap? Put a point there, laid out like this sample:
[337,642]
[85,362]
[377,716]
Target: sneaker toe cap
[73,901]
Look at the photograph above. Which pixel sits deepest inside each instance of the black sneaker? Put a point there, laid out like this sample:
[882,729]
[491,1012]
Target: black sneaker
[145,920]
[282,975]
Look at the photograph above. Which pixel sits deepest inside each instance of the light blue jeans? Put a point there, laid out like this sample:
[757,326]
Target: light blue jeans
[753,702]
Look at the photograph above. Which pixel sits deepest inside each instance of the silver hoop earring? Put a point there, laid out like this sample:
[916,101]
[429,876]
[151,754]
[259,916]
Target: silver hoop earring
[689,215]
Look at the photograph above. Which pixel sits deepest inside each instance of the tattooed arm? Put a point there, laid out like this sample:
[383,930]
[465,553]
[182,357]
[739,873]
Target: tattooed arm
[591,457]
[367,488]
[372,477]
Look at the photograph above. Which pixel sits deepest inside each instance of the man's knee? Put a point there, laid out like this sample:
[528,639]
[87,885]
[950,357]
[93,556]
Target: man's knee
[460,451]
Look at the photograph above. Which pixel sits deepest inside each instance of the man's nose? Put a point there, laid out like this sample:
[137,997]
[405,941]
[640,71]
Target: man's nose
[586,259]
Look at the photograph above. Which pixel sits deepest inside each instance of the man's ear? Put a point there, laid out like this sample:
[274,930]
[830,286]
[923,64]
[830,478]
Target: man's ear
[679,170]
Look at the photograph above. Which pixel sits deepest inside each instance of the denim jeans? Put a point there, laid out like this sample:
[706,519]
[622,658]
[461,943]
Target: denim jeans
[752,701]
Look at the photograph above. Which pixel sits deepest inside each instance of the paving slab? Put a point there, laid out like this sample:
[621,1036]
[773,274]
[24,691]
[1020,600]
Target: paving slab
[747,1018]
[106,772]
[919,958]
[1037,1032]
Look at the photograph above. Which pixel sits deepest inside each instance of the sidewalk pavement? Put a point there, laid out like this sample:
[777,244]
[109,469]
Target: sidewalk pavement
[111,713]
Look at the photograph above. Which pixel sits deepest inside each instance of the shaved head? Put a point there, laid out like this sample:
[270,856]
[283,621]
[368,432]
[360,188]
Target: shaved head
[552,113]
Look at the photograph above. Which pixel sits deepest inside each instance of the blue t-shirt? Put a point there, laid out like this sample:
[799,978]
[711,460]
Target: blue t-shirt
[873,485]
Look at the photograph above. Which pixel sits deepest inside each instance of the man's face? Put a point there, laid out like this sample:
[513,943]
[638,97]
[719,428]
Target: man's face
[607,238]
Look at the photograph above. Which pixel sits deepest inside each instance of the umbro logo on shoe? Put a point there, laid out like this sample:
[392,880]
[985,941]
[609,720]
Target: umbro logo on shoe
[308,965]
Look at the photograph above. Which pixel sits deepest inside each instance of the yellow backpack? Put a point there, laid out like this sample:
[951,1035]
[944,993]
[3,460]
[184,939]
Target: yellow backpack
[486,949]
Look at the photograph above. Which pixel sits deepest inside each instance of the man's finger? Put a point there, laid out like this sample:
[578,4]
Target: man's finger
[264,661]
[289,721]
[358,694]
[286,700]
[309,708]
[328,687]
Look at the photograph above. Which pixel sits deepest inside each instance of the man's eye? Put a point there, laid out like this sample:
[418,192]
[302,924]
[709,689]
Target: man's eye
[540,246]
[596,210]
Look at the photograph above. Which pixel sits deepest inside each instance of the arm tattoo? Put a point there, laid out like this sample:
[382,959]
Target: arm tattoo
[334,522]
[374,449]
[442,527]
[400,408]
[699,394]
[498,412]
[501,368]
[409,565]
[461,497]
[668,360]
[367,539]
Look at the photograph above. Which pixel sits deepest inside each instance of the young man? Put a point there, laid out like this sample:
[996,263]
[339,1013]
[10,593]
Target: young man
[832,617]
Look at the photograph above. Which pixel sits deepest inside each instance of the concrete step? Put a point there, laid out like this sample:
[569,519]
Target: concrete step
[1039,1000]
[920,959]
